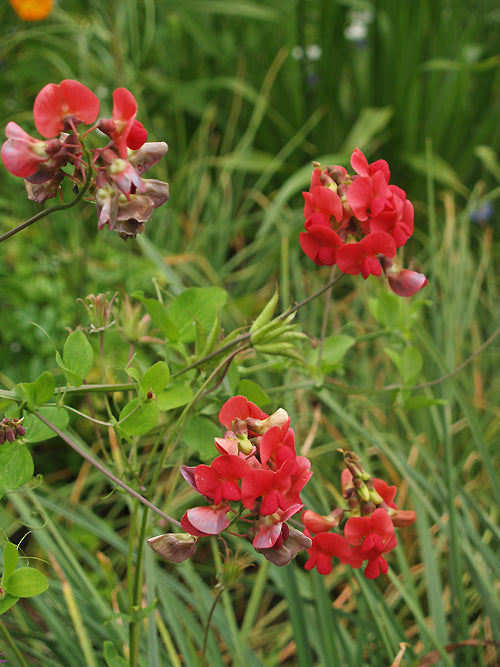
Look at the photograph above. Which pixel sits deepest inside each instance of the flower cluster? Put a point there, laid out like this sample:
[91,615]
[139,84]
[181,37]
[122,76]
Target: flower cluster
[113,173]
[369,530]
[256,481]
[10,429]
[358,222]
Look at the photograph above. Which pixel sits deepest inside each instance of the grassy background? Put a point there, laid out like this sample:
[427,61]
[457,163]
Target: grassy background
[246,104]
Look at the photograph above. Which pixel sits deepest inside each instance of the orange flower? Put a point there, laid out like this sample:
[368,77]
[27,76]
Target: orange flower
[32,10]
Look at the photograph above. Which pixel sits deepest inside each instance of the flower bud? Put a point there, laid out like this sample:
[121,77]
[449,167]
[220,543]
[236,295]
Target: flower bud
[175,547]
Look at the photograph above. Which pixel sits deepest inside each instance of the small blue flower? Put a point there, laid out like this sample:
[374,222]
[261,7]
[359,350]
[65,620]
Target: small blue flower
[483,213]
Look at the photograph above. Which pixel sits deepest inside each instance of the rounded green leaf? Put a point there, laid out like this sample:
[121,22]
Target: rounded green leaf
[16,466]
[26,582]
[156,378]
[7,602]
[37,431]
[138,417]
[77,359]
[177,395]
[10,558]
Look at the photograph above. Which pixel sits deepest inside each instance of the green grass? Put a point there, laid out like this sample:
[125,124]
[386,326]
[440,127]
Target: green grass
[244,119]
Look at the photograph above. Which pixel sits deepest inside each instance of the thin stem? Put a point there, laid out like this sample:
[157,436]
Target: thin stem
[135,625]
[105,471]
[12,645]
[325,318]
[207,626]
[47,211]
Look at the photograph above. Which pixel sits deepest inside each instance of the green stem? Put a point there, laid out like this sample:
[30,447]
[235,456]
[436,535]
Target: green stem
[325,319]
[105,471]
[135,625]
[207,626]
[52,209]
[12,645]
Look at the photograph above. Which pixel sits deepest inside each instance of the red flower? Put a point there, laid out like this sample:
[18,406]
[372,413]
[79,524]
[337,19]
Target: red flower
[360,165]
[239,408]
[272,530]
[325,200]
[271,486]
[396,218]
[56,106]
[123,129]
[366,195]
[318,523]
[277,445]
[361,257]
[220,479]
[319,242]
[370,537]
[325,547]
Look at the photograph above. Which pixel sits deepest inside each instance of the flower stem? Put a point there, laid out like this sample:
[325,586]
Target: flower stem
[105,471]
[52,209]
[207,626]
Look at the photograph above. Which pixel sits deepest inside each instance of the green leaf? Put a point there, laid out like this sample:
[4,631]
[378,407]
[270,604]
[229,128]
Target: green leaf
[38,392]
[158,313]
[177,394]
[141,613]
[139,416]
[386,309]
[196,304]
[411,363]
[253,392]
[7,602]
[37,431]
[156,378]
[113,659]
[16,466]
[418,402]
[26,582]
[10,558]
[77,359]
[199,434]
[334,350]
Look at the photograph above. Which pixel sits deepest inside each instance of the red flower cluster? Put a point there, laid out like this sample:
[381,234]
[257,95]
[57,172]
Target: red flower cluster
[125,201]
[257,479]
[368,532]
[358,222]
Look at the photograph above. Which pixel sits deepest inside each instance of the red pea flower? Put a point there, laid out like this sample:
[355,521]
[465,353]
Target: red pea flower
[361,257]
[370,537]
[58,106]
[320,242]
[272,530]
[239,408]
[319,523]
[220,479]
[325,547]
[361,166]
[123,129]
[324,200]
